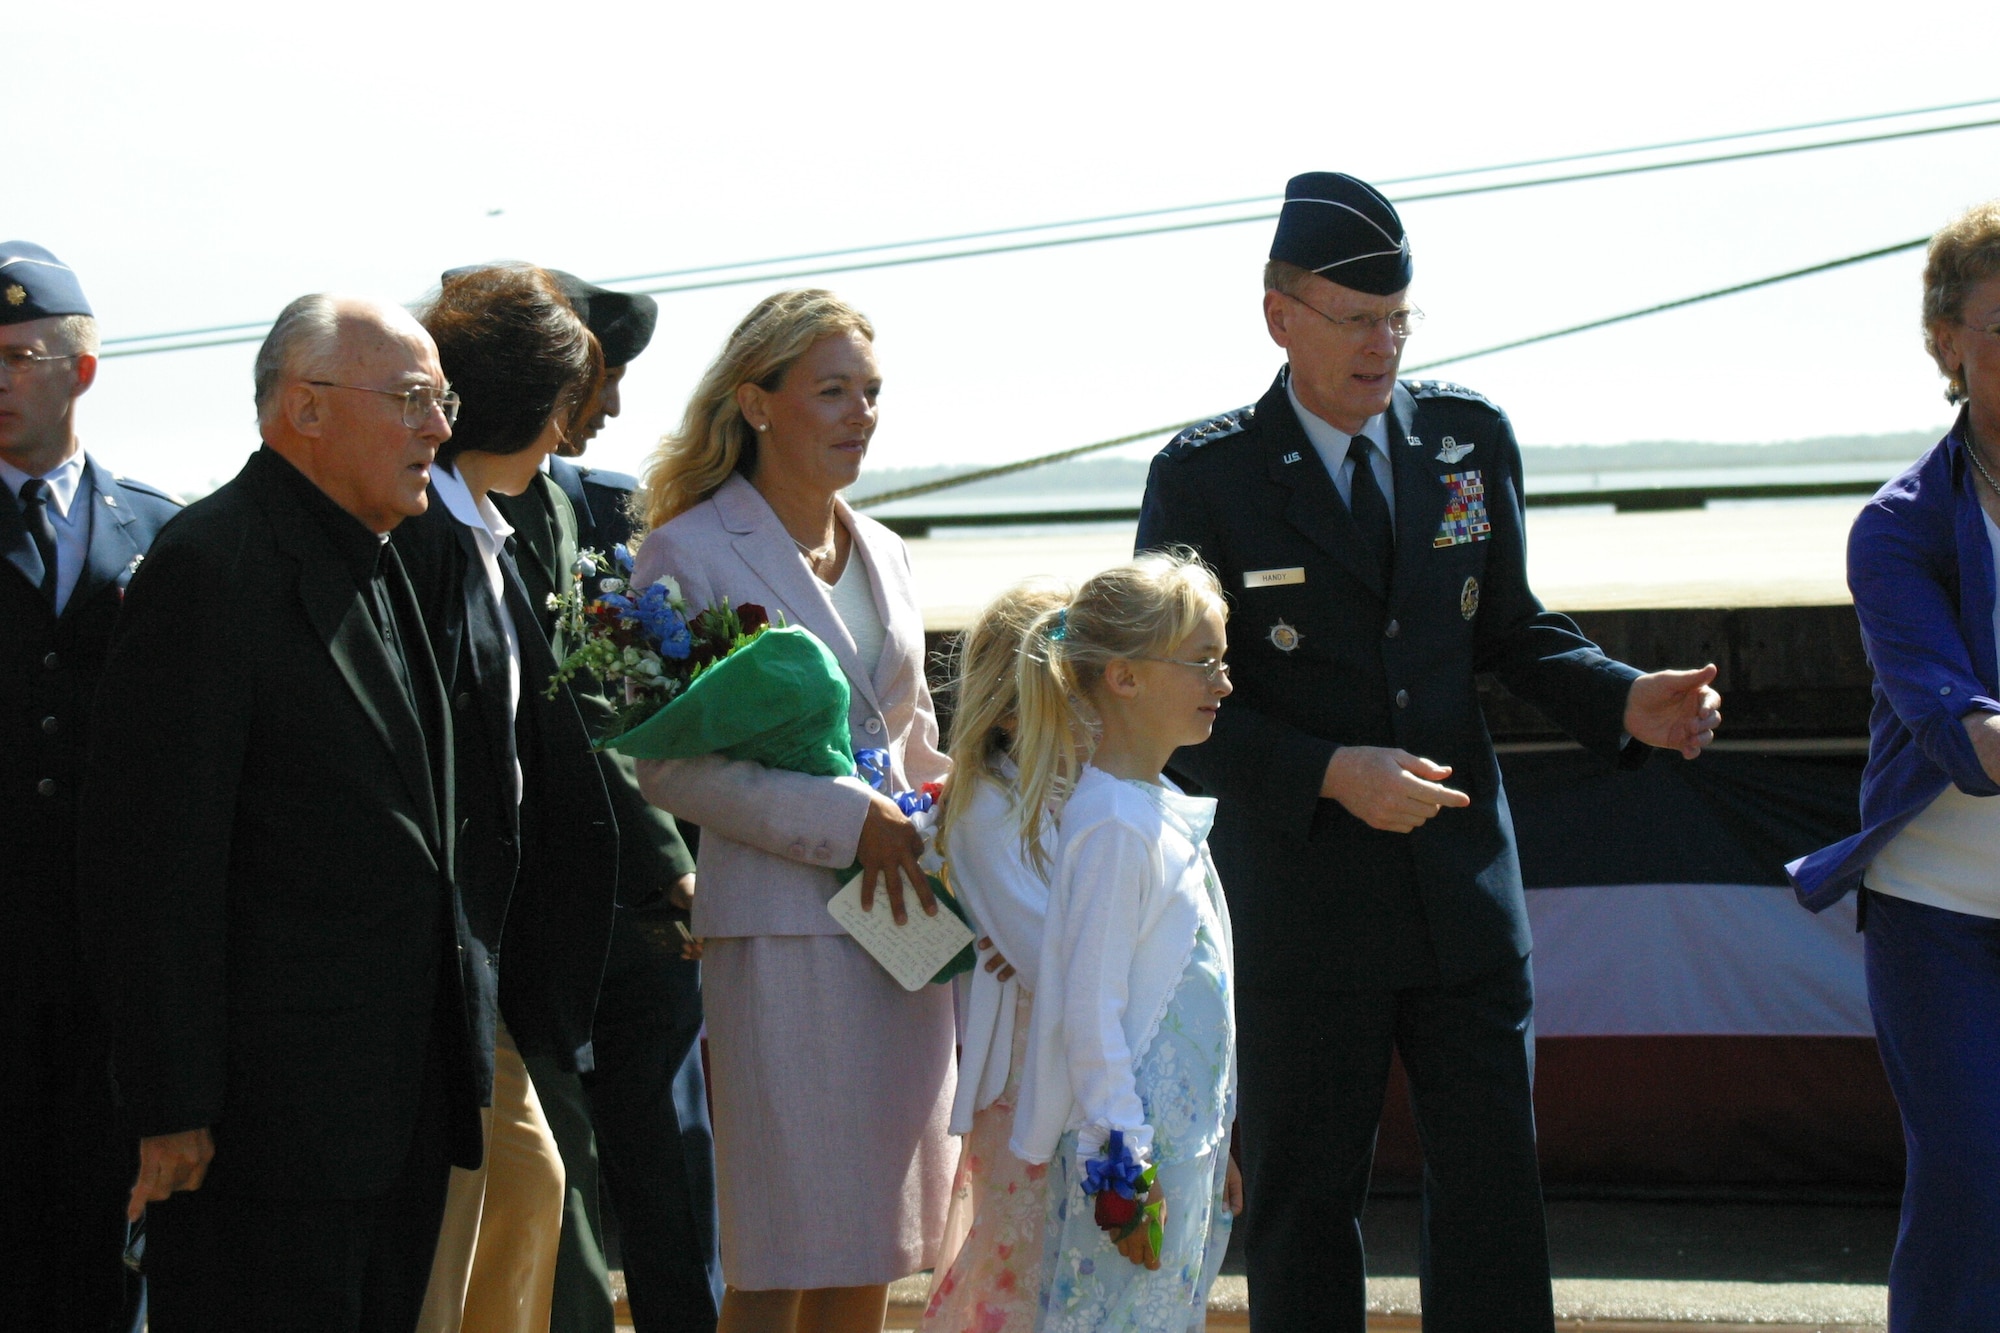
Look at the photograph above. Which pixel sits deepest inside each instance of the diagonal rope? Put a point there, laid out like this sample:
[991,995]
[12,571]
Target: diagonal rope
[1007,469]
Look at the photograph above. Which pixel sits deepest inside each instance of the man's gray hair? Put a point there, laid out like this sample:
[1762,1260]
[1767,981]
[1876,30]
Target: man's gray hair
[307,333]
[75,335]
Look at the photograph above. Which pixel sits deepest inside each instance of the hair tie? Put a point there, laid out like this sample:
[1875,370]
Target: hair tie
[1060,631]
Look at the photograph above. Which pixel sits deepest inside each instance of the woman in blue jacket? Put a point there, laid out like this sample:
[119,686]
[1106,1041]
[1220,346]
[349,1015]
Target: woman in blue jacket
[1920,562]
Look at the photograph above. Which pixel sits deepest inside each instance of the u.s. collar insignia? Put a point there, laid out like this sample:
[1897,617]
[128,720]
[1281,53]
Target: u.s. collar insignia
[1451,450]
[1414,441]
[1283,637]
[1468,599]
[1291,457]
[16,293]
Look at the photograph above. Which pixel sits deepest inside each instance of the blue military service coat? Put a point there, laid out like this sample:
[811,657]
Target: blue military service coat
[1323,655]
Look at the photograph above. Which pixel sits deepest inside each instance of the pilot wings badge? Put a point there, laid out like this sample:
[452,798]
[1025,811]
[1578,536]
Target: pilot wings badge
[1451,450]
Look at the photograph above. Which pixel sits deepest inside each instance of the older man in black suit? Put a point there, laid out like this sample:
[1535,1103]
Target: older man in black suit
[267,877]
[1369,534]
[73,534]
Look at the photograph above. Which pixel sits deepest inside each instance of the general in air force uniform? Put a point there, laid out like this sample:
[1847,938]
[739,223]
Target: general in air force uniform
[1352,942]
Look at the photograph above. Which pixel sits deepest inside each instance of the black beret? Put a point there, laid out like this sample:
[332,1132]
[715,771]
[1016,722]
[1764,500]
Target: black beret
[622,321]
[1344,230]
[34,284]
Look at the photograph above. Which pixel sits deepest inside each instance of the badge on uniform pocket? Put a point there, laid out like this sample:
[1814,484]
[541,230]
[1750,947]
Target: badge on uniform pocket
[1464,510]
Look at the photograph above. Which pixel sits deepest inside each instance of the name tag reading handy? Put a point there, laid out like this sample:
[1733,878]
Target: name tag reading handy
[1272,578]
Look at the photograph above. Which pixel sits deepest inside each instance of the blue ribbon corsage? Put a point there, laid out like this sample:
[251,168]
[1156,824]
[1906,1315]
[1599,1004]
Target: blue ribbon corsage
[1114,1169]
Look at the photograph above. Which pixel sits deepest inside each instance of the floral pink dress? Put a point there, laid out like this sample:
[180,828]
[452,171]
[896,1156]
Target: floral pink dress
[992,1284]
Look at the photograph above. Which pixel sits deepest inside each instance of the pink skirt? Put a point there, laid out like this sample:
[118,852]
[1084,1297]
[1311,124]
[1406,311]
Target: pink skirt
[832,1090]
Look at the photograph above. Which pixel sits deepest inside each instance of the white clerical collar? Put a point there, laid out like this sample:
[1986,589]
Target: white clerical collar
[1329,440]
[63,479]
[481,515]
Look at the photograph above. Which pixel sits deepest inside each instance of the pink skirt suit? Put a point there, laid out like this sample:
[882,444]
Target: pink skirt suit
[832,1086]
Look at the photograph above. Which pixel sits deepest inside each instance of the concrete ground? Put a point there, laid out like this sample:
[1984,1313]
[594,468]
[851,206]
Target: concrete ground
[1629,1267]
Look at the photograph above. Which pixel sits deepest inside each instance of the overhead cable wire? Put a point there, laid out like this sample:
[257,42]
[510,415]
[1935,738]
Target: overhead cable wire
[1025,228]
[1082,450]
[191,339]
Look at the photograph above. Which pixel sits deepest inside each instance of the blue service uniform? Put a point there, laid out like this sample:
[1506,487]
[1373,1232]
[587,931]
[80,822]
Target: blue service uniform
[62,1225]
[1352,943]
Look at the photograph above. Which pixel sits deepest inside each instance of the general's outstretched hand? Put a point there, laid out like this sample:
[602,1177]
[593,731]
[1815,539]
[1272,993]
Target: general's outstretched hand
[1675,710]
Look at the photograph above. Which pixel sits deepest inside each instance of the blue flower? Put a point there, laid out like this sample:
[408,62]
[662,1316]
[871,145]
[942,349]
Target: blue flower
[665,625]
[623,555]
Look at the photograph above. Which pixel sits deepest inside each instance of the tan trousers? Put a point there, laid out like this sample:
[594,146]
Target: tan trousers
[495,1268]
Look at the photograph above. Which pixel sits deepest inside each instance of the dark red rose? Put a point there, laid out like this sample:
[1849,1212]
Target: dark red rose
[1114,1209]
[752,617]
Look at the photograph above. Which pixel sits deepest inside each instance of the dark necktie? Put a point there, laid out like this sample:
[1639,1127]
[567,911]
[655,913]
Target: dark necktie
[1370,509]
[35,516]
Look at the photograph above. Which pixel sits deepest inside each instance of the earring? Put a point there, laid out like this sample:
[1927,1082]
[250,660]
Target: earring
[764,426]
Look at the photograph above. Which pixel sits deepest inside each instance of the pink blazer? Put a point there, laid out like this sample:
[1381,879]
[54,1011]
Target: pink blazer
[771,840]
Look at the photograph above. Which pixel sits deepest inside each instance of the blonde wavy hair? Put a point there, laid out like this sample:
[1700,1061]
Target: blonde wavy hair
[1963,255]
[983,692]
[713,440]
[1138,609]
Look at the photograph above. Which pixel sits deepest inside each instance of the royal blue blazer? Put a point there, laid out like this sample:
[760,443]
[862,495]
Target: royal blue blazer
[1921,571]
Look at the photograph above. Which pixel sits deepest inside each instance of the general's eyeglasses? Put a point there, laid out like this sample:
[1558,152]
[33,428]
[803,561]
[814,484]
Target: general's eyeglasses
[418,403]
[19,360]
[1212,669]
[1402,321]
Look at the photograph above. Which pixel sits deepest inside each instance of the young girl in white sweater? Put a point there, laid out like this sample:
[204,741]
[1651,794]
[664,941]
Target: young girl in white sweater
[1130,1085]
[989,1267]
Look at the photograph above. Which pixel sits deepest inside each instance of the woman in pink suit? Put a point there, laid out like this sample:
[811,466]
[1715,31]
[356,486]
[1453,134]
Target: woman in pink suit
[832,1086]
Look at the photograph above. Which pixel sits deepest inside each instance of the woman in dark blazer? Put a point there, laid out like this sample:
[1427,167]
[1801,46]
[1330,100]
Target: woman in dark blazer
[1920,562]
[538,863]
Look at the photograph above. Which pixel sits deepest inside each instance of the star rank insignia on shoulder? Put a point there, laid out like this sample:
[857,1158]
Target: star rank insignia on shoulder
[1446,389]
[1211,430]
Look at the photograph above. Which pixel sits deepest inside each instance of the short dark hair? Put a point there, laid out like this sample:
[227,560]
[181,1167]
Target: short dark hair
[515,352]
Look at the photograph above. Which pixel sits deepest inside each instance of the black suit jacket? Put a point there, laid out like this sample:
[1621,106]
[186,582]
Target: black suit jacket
[265,869]
[1324,656]
[652,854]
[538,876]
[49,666]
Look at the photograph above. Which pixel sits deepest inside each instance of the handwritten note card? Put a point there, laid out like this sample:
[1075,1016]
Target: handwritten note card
[911,953]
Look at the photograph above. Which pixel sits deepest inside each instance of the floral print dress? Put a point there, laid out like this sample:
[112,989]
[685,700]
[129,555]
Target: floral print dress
[991,1286]
[1184,1083]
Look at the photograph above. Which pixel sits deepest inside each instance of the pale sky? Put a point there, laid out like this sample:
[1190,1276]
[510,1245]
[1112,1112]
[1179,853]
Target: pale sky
[203,164]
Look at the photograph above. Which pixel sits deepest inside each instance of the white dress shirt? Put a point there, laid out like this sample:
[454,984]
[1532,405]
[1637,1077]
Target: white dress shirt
[69,514]
[489,533]
[1331,443]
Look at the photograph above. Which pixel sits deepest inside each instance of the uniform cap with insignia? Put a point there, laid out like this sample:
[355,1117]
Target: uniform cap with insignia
[34,284]
[1345,230]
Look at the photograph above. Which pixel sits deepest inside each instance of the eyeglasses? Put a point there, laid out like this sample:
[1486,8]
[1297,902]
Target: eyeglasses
[19,360]
[1402,321]
[418,403]
[1212,669]
[1990,330]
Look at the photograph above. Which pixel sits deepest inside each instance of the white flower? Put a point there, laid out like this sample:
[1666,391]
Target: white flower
[610,585]
[673,590]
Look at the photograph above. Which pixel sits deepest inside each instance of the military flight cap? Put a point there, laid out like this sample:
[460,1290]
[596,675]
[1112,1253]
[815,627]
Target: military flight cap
[1344,230]
[34,284]
[622,321]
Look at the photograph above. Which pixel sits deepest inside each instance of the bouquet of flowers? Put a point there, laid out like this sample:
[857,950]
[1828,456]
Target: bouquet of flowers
[722,680]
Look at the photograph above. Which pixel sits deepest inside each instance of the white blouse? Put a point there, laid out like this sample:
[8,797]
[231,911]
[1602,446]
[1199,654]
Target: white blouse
[999,886]
[1132,885]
